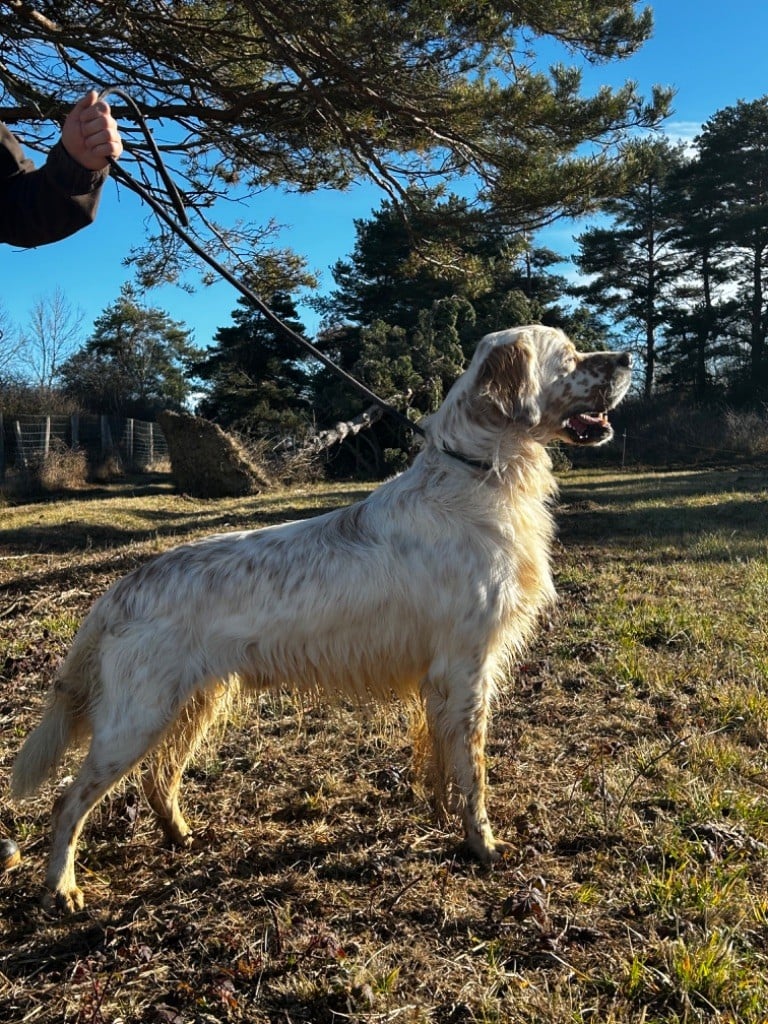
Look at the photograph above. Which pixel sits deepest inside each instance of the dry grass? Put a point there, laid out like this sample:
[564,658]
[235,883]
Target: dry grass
[62,469]
[628,762]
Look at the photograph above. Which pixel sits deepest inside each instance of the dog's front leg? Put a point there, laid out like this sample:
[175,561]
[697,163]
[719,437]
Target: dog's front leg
[456,705]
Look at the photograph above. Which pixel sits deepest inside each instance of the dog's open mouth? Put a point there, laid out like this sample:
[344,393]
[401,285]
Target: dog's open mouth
[588,428]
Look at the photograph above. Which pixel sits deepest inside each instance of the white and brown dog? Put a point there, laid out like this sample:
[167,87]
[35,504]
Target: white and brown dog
[430,586]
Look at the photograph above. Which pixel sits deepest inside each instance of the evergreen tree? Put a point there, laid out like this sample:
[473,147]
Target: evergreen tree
[632,259]
[306,94]
[422,363]
[398,268]
[733,153]
[134,364]
[699,310]
[257,383]
[414,298]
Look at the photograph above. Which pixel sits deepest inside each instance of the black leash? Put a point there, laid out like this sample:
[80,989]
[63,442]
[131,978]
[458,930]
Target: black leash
[175,196]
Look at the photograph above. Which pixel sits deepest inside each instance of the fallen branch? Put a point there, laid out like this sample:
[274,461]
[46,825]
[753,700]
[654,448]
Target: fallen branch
[348,428]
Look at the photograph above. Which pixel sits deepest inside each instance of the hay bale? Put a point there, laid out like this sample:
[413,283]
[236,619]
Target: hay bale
[206,462]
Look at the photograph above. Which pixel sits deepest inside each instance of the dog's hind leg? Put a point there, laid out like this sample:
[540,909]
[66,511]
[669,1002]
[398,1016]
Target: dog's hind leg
[162,779]
[105,764]
[457,717]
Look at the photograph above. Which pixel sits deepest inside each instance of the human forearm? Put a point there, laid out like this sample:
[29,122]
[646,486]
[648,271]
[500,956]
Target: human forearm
[45,205]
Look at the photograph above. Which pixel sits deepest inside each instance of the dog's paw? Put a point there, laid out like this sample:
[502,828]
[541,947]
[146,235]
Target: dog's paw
[62,901]
[192,841]
[178,840]
[490,851]
[202,840]
[500,850]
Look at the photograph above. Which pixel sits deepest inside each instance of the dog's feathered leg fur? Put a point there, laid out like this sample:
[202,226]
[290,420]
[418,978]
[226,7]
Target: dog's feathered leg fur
[457,712]
[162,779]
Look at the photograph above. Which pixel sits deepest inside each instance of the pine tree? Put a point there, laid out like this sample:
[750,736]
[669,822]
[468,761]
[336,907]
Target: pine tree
[257,382]
[699,312]
[310,94]
[134,363]
[733,153]
[632,259]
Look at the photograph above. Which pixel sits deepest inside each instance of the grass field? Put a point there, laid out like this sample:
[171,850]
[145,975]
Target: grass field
[628,764]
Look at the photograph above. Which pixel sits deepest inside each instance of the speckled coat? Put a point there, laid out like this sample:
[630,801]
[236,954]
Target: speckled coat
[428,588]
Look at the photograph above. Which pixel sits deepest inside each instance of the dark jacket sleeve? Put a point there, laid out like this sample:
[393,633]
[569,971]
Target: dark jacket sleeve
[47,204]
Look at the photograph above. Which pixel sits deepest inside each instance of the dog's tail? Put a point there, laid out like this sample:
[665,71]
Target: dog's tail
[64,723]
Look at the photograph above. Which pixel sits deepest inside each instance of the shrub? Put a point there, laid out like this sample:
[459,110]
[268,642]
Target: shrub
[62,469]
[747,431]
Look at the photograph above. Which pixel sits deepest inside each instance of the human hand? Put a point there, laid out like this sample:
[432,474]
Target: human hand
[90,134]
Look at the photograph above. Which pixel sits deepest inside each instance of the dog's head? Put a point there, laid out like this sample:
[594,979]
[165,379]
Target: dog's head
[534,380]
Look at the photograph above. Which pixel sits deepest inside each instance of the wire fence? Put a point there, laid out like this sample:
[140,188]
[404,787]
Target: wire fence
[26,441]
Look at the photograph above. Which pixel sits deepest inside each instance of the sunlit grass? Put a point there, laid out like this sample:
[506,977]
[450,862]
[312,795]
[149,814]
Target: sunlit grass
[628,767]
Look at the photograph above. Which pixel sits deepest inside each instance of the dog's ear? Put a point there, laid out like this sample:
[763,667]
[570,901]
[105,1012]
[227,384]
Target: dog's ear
[509,377]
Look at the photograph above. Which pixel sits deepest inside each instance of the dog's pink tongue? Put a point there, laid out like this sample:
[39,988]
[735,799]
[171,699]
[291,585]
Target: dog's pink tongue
[598,419]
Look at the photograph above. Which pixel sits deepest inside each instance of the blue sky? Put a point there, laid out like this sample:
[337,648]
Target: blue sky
[712,53]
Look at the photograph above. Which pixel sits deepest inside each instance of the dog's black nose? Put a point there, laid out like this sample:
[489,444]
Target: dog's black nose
[625,359]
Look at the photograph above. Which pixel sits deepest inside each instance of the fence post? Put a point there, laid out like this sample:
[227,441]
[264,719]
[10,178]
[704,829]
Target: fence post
[20,454]
[151,444]
[46,436]
[2,449]
[129,441]
[74,429]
